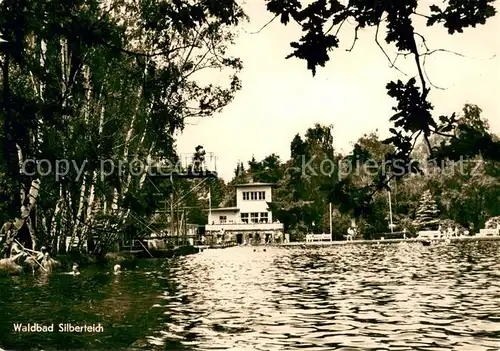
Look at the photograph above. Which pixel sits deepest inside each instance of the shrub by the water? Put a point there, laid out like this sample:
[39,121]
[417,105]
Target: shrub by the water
[492,223]
[9,267]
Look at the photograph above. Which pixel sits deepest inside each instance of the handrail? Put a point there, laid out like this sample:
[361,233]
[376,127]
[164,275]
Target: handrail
[243,223]
[318,237]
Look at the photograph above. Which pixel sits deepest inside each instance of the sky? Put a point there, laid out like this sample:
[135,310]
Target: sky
[280,97]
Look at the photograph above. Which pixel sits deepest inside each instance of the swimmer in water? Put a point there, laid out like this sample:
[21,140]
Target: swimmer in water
[117,268]
[46,263]
[75,270]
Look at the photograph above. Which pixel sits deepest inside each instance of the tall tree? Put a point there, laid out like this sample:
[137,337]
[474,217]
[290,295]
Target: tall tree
[427,213]
[321,22]
[97,82]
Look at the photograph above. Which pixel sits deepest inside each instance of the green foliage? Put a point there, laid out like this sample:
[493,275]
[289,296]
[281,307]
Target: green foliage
[269,170]
[469,191]
[315,44]
[466,190]
[493,222]
[470,137]
[413,113]
[95,82]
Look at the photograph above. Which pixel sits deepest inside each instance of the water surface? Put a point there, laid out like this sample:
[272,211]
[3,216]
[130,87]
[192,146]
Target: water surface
[386,297]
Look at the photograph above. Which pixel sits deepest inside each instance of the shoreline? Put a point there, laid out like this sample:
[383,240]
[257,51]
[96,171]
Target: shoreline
[386,241]
[127,259]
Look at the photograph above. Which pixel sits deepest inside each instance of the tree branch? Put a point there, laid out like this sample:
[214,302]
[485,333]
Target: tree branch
[427,142]
[145,54]
[415,141]
[421,15]
[264,26]
[391,65]
[416,55]
[355,38]
[338,29]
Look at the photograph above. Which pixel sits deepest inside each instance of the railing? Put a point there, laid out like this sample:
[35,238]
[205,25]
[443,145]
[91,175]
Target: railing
[488,232]
[76,240]
[429,234]
[436,234]
[244,226]
[317,237]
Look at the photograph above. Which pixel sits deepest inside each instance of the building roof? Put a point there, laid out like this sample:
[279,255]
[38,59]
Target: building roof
[253,185]
[224,209]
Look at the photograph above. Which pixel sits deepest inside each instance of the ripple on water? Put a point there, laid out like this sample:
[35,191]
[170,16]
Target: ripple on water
[397,297]
[387,297]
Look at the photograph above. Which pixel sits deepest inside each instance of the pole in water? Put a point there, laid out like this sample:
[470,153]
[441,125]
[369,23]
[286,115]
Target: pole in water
[331,230]
[390,213]
[209,205]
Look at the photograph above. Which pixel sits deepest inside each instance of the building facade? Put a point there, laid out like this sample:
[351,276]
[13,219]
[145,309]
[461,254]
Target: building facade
[250,222]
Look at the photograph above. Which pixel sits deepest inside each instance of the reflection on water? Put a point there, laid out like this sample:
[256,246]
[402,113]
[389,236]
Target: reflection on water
[394,297]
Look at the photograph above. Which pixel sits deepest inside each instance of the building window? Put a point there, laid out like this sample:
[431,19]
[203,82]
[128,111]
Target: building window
[254,195]
[244,217]
[263,217]
[254,217]
[222,219]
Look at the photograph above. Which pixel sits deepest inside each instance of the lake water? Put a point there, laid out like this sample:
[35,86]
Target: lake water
[386,297]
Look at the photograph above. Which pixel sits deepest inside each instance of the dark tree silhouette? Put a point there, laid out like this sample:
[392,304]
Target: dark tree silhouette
[321,22]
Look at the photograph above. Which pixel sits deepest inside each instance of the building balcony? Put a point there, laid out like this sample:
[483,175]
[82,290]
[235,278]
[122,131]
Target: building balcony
[243,226]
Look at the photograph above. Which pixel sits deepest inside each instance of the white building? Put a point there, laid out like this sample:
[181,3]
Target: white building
[250,221]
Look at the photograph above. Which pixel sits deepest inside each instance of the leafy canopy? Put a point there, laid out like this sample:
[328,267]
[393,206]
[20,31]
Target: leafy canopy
[321,21]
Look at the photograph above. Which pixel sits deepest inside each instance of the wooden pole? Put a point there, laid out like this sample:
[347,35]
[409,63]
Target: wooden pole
[331,225]
[390,213]
[42,267]
[185,226]
[172,226]
[29,250]
[209,205]
[145,248]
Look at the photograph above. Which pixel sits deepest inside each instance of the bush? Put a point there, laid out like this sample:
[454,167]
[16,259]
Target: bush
[8,267]
[492,223]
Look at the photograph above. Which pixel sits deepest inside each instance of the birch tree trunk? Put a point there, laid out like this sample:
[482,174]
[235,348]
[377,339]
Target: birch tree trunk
[55,225]
[91,198]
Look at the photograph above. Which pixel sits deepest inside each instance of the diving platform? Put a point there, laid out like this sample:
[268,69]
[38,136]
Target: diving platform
[198,165]
[184,175]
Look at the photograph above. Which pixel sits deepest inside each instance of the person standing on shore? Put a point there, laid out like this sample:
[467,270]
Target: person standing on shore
[350,233]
